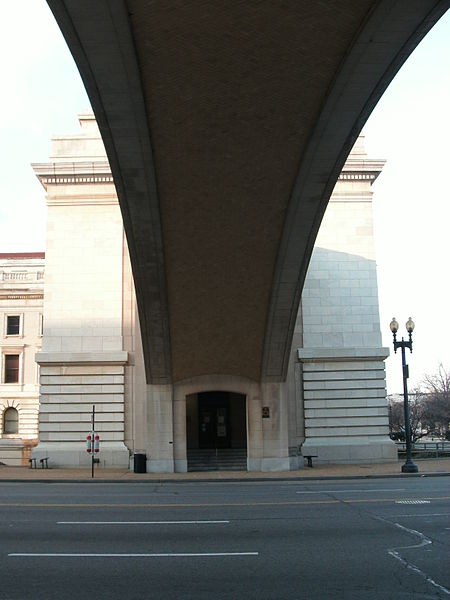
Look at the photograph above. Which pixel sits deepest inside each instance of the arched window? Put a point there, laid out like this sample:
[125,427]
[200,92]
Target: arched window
[10,421]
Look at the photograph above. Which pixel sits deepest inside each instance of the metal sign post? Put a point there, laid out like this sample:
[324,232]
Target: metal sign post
[93,443]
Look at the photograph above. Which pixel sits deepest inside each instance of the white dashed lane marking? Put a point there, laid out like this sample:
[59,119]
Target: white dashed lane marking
[141,522]
[133,555]
[412,502]
[351,491]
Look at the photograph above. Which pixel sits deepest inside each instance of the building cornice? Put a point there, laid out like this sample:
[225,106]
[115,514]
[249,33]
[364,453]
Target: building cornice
[361,169]
[66,173]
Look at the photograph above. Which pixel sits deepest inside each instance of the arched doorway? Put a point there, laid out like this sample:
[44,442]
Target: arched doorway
[216,431]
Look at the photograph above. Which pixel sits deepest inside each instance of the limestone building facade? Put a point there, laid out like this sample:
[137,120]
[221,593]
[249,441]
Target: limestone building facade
[21,323]
[333,404]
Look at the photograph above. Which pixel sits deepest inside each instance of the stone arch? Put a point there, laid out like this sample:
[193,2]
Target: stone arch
[232,384]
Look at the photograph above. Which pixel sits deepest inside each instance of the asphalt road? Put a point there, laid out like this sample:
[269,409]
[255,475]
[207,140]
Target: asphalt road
[376,538]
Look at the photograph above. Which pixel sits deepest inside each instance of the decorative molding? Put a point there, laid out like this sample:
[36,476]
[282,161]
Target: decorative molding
[21,275]
[91,200]
[357,176]
[22,297]
[12,349]
[45,180]
[66,173]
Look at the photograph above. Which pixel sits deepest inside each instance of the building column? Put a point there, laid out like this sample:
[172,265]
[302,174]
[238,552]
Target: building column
[179,433]
[346,418]
[71,384]
[160,414]
[255,444]
[83,357]
[274,416]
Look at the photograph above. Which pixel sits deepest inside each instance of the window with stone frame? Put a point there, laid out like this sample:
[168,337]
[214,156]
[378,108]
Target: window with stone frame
[13,325]
[11,368]
[10,421]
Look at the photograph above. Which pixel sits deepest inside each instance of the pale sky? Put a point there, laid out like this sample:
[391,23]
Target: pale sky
[42,94]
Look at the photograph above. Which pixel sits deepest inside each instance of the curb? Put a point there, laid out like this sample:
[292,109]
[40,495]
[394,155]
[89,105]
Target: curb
[232,480]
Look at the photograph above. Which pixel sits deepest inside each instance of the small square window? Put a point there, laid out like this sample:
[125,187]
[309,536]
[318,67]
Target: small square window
[13,325]
[11,368]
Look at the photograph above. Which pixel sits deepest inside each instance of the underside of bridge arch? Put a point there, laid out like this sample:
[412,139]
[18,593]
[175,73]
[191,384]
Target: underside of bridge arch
[226,125]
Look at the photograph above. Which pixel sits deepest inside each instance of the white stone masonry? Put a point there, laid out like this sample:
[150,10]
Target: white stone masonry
[83,357]
[344,387]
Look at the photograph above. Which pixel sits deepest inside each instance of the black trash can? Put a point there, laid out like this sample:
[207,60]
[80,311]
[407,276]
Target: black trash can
[140,463]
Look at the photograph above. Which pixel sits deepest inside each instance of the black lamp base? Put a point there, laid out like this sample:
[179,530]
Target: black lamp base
[410,467]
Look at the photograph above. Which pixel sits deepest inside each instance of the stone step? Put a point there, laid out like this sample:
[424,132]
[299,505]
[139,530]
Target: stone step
[223,459]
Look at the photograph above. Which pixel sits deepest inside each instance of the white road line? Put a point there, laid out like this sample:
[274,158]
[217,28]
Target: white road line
[131,555]
[140,522]
[349,491]
[414,501]
[423,515]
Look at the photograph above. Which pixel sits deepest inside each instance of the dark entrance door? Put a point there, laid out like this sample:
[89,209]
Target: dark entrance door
[214,420]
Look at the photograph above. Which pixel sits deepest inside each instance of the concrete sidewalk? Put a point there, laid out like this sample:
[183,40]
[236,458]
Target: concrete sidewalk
[430,467]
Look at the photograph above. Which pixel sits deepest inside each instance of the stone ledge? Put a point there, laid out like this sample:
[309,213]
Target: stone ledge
[81,358]
[341,354]
[71,454]
[350,451]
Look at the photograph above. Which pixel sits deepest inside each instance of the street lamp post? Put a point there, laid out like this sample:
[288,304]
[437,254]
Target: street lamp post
[409,466]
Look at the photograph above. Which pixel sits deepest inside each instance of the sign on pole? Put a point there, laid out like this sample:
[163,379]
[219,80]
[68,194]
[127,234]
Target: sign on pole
[93,443]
